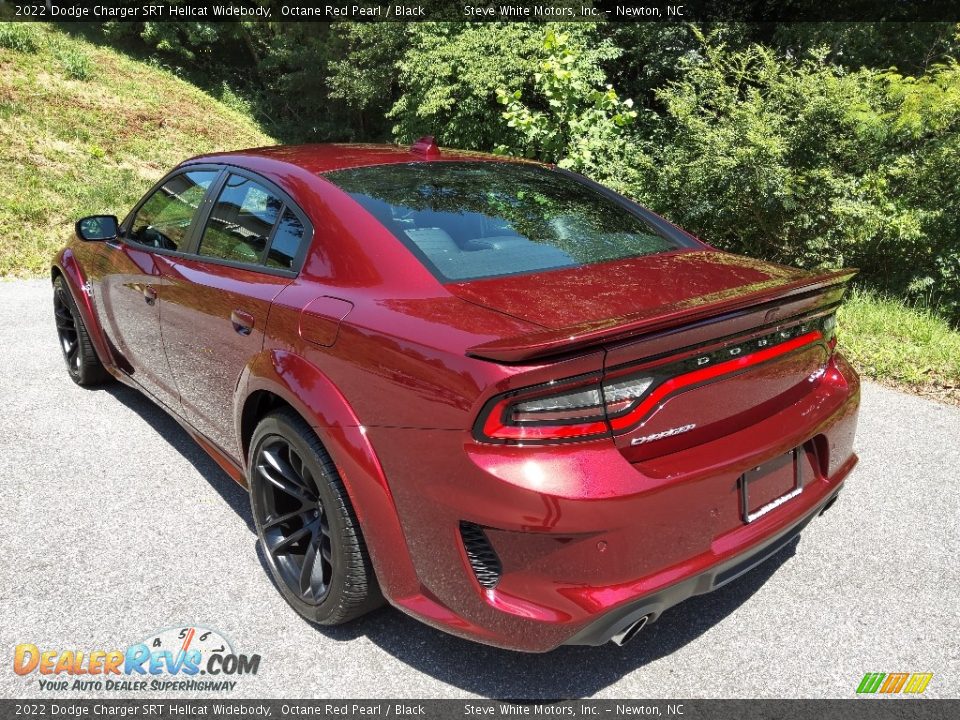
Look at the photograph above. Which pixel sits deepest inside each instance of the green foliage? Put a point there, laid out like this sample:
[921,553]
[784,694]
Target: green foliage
[69,149]
[449,75]
[21,37]
[188,39]
[363,72]
[901,345]
[581,126]
[806,163]
[910,47]
[76,64]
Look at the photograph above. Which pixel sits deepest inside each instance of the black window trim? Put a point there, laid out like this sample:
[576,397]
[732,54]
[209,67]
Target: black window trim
[195,233]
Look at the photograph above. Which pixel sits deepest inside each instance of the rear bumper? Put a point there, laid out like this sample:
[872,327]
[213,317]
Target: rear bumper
[651,607]
[589,542]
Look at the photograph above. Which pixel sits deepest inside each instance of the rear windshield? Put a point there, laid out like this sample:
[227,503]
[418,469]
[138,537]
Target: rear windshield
[472,220]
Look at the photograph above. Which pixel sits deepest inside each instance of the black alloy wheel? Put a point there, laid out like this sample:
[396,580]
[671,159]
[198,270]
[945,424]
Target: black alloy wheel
[312,543]
[66,330]
[79,354]
[296,530]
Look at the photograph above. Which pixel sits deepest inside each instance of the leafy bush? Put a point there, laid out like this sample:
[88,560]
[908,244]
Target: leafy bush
[22,37]
[581,126]
[806,163]
[449,75]
[76,64]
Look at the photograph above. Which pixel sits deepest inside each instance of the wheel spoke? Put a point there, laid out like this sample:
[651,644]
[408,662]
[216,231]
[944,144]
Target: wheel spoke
[311,572]
[286,541]
[295,491]
[285,469]
[296,462]
[71,350]
[272,522]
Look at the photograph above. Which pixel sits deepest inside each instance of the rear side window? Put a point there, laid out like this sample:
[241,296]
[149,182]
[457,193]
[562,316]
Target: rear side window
[241,221]
[164,220]
[286,242]
[474,220]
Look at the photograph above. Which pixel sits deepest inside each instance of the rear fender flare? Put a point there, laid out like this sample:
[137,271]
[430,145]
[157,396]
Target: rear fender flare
[313,395]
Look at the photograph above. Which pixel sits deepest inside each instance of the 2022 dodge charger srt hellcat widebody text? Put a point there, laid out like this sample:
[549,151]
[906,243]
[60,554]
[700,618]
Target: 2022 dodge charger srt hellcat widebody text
[511,402]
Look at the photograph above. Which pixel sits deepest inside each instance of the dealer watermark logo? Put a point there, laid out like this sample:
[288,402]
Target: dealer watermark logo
[191,658]
[894,683]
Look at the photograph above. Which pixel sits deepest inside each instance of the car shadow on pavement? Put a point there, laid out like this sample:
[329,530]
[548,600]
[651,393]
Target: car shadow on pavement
[174,433]
[568,672]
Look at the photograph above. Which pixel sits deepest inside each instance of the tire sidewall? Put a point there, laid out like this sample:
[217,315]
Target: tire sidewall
[76,372]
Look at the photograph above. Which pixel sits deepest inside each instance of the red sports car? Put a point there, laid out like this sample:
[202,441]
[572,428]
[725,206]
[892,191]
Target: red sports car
[511,402]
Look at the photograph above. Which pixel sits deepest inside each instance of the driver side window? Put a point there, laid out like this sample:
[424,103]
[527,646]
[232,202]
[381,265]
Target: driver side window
[164,220]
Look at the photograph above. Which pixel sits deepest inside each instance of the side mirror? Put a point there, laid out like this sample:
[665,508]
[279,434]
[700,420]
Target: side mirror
[97,227]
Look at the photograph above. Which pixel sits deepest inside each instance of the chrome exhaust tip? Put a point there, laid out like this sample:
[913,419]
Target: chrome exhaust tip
[629,632]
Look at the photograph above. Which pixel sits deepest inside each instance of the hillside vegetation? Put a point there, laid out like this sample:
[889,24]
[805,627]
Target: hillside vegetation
[832,160]
[85,130]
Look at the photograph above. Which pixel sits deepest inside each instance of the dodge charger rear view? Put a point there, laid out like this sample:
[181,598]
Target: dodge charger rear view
[501,397]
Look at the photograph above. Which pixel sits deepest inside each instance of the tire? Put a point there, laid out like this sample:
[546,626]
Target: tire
[81,358]
[311,540]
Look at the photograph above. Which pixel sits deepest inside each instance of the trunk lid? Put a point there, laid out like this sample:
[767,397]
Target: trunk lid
[610,302]
[574,296]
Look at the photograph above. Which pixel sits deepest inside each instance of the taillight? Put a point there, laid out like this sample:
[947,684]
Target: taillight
[584,408]
[572,410]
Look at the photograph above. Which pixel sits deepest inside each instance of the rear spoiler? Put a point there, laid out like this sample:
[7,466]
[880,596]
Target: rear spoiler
[545,343]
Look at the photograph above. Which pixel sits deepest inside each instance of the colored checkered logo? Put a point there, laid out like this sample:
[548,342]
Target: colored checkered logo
[892,683]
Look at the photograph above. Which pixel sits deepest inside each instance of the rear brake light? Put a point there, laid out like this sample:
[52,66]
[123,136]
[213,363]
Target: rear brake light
[545,413]
[583,408]
[638,411]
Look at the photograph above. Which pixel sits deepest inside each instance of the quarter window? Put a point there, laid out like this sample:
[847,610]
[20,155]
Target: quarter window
[286,242]
[164,220]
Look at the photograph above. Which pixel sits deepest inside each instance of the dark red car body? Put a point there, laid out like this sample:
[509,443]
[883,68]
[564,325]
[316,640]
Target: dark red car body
[395,371]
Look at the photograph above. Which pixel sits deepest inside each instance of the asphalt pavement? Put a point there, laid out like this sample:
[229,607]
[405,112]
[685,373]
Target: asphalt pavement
[115,524]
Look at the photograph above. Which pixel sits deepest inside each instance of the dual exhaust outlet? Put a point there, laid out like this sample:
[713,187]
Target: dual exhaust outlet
[629,632]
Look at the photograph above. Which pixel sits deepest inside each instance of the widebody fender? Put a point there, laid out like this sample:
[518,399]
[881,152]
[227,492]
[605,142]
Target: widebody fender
[313,395]
[66,264]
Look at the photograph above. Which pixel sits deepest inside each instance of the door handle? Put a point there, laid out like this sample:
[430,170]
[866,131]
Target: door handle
[149,294]
[242,322]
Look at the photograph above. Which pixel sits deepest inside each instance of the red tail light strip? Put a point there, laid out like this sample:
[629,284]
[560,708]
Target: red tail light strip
[494,428]
[674,384]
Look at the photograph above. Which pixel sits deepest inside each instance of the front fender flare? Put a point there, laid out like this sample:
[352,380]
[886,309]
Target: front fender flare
[66,265]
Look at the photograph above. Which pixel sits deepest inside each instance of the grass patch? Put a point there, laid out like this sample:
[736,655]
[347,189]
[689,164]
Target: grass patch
[77,65]
[22,37]
[85,129]
[902,346]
